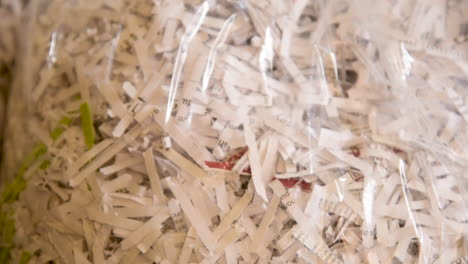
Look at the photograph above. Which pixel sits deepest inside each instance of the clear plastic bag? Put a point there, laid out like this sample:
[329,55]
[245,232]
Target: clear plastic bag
[237,132]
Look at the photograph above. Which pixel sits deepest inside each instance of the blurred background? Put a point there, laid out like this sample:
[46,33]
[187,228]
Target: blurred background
[10,15]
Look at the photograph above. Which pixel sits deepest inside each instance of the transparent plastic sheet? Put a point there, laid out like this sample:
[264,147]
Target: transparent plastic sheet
[237,132]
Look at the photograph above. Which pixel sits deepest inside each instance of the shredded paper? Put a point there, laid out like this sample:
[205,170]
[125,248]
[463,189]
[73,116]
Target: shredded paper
[250,131]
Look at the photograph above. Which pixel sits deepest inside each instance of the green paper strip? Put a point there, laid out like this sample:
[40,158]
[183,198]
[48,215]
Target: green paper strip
[56,133]
[44,165]
[9,231]
[39,150]
[13,190]
[4,254]
[66,121]
[87,125]
[25,257]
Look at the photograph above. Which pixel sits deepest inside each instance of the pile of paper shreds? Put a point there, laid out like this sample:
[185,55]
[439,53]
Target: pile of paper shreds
[255,131]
